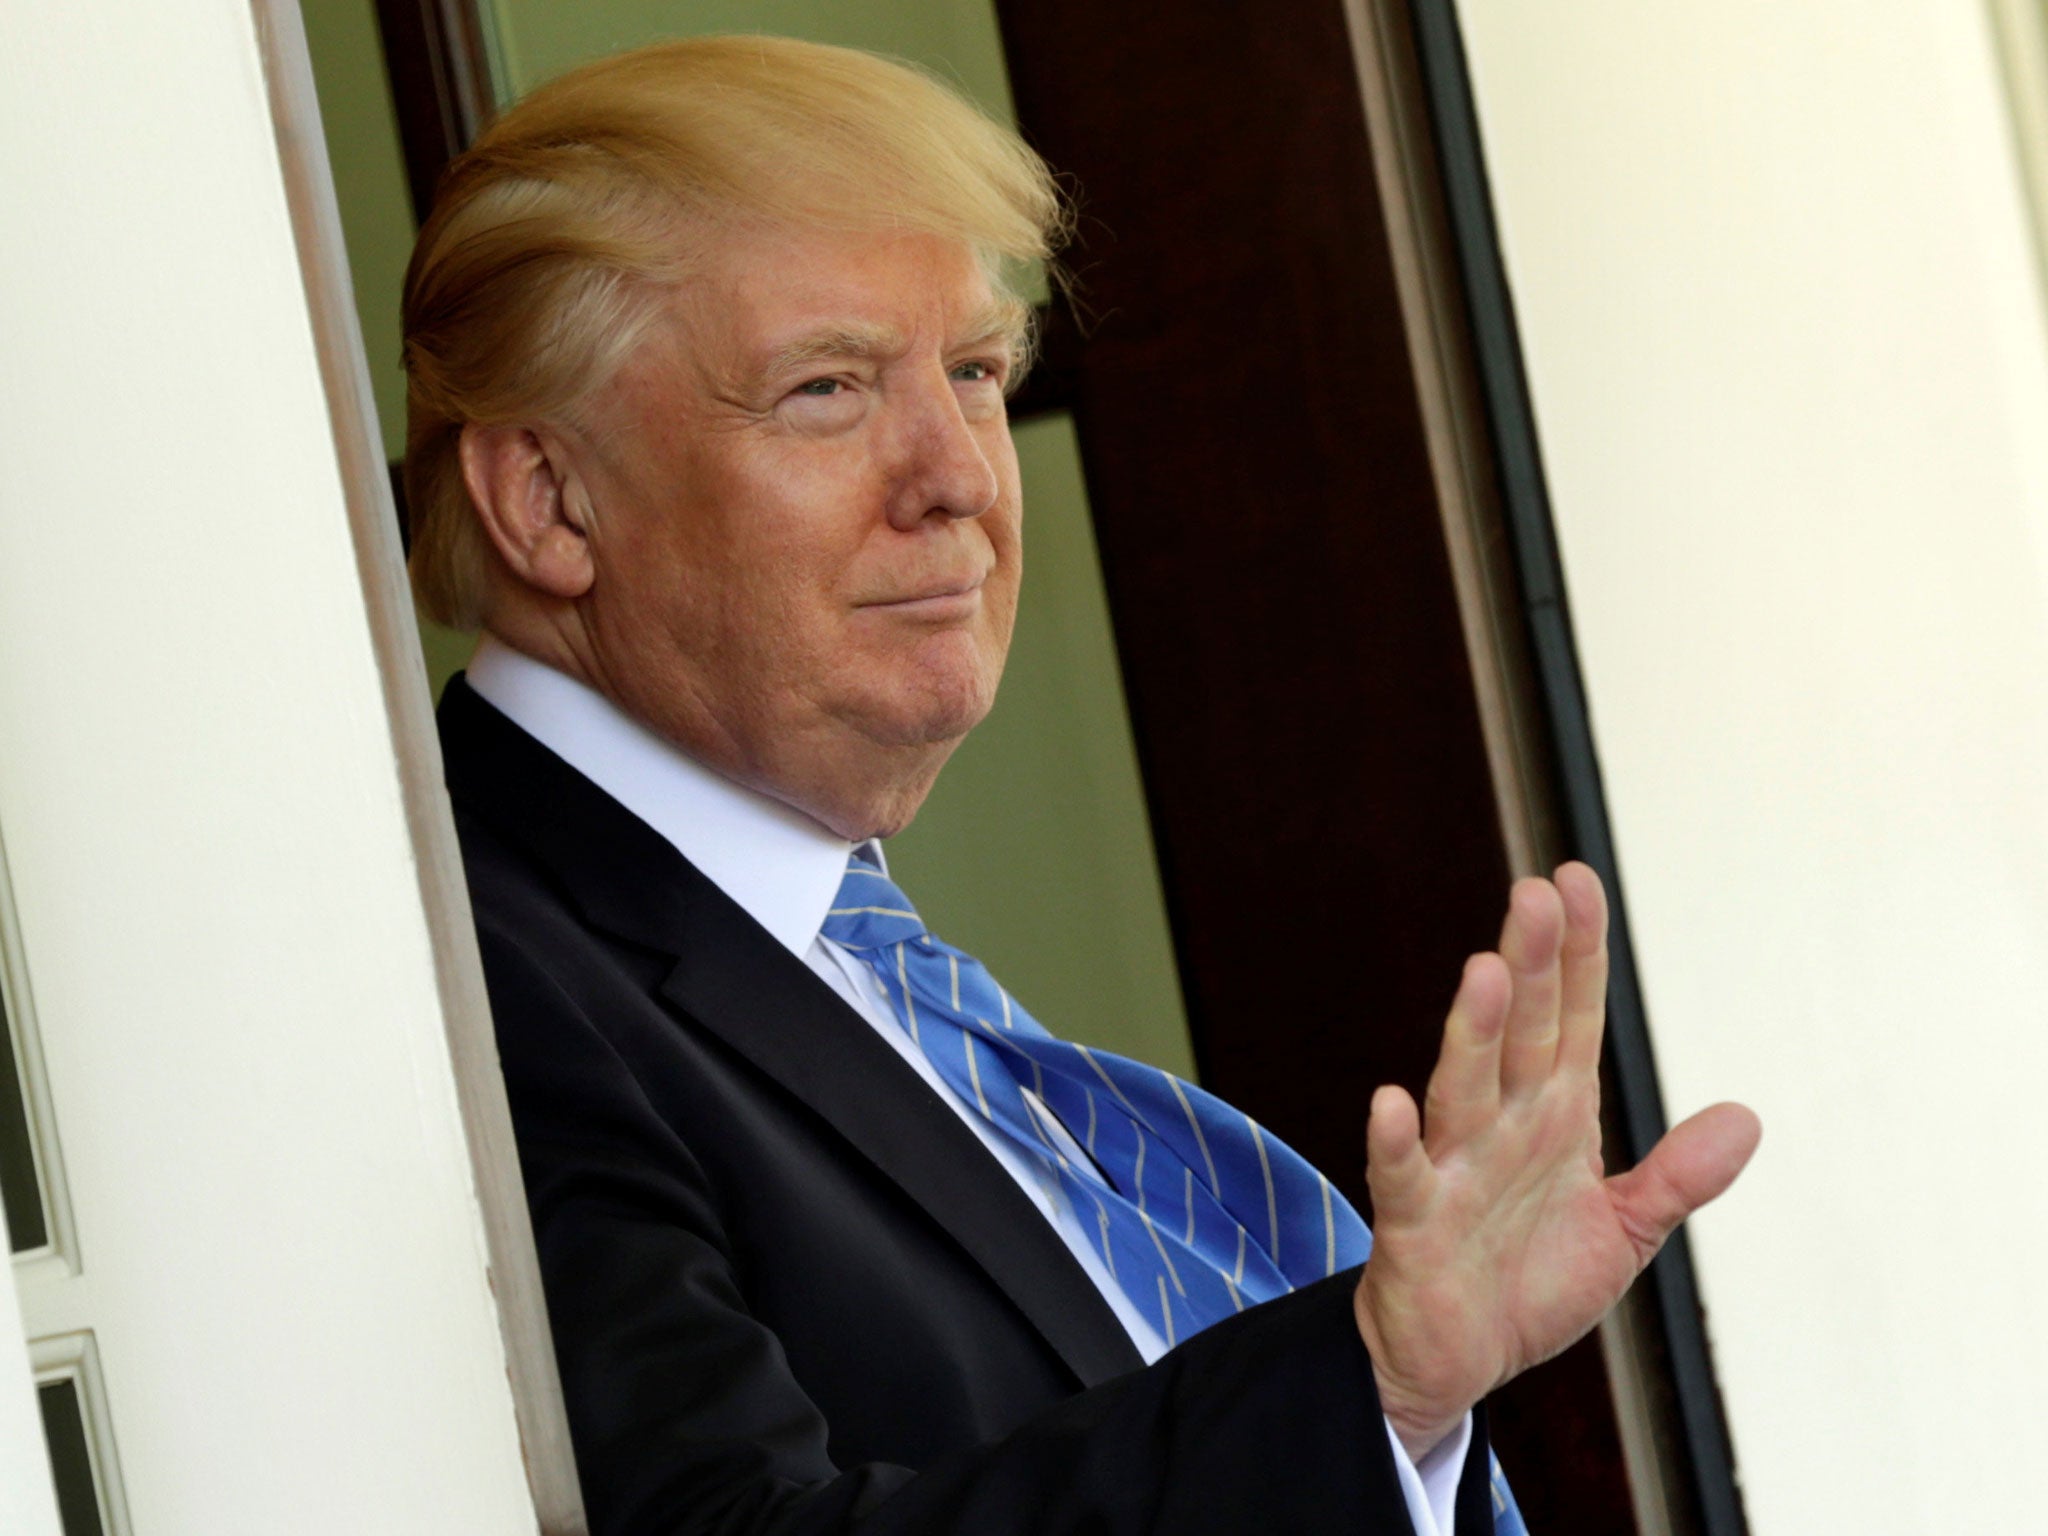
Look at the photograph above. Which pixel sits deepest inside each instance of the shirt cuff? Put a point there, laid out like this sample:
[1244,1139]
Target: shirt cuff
[1431,1488]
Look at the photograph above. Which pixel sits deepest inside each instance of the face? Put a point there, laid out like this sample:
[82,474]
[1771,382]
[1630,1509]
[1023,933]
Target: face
[804,518]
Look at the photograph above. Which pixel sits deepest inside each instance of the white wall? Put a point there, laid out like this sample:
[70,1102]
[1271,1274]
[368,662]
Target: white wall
[1787,350]
[277,1234]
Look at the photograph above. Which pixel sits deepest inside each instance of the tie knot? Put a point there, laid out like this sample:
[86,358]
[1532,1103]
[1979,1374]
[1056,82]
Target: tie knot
[869,912]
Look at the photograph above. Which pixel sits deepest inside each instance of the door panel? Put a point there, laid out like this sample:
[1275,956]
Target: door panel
[261,1208]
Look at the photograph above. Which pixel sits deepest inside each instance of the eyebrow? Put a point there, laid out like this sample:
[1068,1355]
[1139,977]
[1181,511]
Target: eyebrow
[1004,320]
[998,321]
[864,341]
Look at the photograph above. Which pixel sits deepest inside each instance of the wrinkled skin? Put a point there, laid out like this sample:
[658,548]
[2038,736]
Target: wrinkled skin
[790,539]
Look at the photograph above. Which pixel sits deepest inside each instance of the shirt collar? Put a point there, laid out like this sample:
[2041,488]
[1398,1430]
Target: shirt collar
[780,866]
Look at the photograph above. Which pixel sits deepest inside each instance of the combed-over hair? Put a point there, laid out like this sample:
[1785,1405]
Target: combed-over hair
[555,239]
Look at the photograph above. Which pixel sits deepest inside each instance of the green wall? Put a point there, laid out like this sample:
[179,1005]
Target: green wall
[369,183]
[1034,852]
[956,38]
[376,216]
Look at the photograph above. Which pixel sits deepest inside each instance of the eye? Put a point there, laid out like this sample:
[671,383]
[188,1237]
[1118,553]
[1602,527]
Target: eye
[833,403]
[979,371]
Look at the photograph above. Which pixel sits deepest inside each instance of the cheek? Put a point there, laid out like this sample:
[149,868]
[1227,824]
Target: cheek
[803,526]
[1000,609]
[771,552]
[1006,534]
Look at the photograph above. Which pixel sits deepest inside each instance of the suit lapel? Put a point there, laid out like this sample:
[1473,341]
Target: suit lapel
[795,1029]
[732,977]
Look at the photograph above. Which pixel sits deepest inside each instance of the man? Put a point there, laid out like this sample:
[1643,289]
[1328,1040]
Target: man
[708,349]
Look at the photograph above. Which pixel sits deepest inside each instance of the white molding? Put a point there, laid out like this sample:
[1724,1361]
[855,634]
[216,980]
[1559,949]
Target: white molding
[28,1504]
[57,1258]
[443,888]
[2021,28]
[75,1357]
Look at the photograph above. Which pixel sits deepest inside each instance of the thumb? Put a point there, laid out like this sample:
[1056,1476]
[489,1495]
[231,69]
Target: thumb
[1693,1163]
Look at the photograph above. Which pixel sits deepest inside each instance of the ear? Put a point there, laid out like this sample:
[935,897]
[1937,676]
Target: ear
[530,506]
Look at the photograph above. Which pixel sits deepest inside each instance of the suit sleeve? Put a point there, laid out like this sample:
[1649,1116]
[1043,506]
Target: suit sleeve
[688,1422]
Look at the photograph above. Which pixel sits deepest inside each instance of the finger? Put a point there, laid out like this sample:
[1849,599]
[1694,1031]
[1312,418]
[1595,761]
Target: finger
[1529,942]
[1693,1164]
[1582,1010]
[1464,1089]
[1397,1169]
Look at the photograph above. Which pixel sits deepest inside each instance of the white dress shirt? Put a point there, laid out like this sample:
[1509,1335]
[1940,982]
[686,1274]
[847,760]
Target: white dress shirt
[784,869]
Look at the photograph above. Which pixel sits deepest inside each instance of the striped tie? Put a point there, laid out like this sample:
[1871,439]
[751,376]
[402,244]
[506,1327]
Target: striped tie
[1199,1212]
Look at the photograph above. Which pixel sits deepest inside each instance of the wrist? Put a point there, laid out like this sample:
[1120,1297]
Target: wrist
[1418,1434]
[1421,1420]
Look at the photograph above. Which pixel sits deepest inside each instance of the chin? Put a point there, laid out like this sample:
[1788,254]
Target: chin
[937,723]
[889,819]
[888,804]
[935,706]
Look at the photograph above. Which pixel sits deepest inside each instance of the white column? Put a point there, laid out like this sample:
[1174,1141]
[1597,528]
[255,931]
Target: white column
[279,1253]
[1785,338]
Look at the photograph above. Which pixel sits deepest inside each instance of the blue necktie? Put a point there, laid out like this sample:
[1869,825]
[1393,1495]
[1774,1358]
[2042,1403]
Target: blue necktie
[1199,1211]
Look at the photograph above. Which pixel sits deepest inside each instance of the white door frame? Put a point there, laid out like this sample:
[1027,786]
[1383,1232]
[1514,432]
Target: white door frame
[300,1265]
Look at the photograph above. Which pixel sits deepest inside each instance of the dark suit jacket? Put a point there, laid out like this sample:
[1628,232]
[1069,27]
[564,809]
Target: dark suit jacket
[790,1291]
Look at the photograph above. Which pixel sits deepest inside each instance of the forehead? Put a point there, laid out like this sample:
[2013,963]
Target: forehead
[771,296]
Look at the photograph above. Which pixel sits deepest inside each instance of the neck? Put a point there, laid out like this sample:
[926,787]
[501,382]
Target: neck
[853,787]
[849,785]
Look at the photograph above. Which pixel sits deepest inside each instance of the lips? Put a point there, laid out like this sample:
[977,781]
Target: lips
[936,595]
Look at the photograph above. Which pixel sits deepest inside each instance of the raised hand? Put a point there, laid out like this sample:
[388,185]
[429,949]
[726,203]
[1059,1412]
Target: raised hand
[1497,1237]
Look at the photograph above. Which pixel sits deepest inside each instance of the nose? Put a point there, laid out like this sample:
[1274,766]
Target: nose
[943,470]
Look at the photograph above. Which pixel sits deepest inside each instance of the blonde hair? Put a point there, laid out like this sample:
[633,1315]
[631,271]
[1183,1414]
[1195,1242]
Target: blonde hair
[554,240]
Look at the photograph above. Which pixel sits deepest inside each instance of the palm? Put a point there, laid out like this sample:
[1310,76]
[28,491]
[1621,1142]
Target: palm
[1497,1239]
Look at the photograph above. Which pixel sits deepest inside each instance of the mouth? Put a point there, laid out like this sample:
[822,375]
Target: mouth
[944,600]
